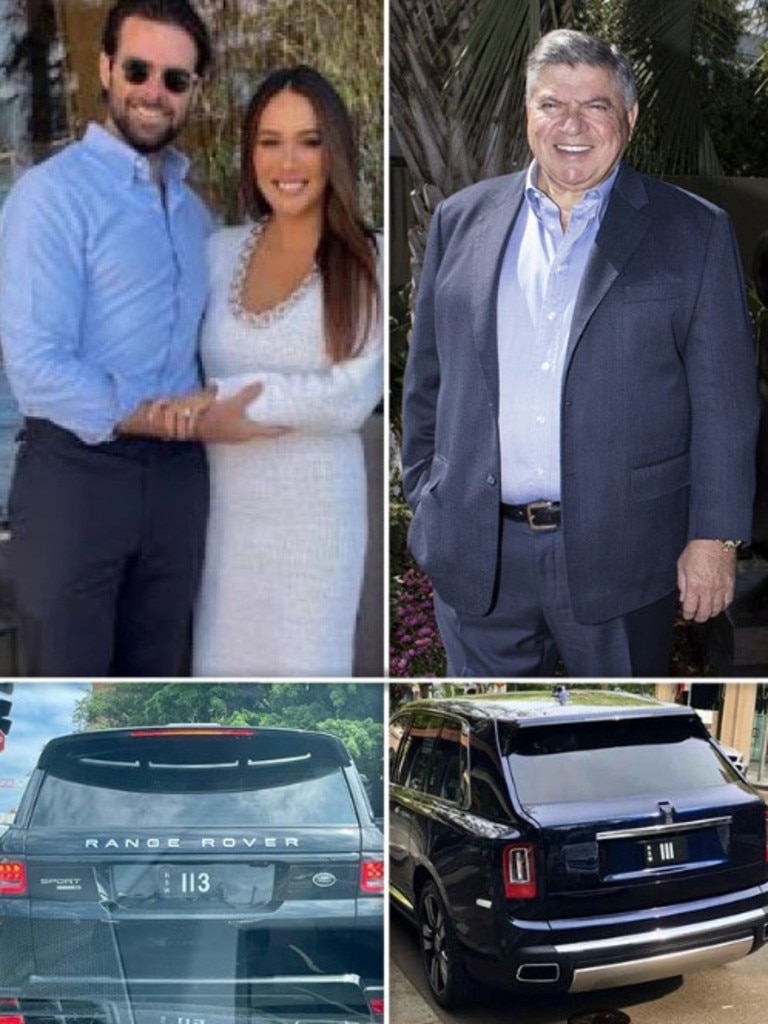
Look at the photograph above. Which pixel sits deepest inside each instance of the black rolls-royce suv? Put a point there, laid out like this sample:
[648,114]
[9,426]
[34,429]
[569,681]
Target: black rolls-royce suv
[542,847]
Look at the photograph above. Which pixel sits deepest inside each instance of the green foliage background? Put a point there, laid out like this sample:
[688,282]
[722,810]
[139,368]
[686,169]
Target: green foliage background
[352,711]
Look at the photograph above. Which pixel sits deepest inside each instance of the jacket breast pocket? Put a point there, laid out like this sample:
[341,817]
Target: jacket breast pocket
[659,478]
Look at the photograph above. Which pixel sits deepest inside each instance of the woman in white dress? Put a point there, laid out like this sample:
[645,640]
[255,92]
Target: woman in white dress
[293,318]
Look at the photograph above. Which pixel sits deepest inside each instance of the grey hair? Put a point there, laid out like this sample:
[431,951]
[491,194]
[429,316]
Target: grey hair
[566,46]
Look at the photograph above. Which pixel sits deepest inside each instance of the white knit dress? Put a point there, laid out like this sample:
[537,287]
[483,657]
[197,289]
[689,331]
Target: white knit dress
[287,528]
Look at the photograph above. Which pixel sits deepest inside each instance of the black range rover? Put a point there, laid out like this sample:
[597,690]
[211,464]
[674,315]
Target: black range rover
[541,847]
[192,875]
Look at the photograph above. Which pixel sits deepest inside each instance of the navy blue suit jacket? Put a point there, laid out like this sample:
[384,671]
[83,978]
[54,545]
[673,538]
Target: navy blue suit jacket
[659,401]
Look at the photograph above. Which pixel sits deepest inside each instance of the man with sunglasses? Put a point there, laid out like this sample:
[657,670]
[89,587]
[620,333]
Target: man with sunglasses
[102,287]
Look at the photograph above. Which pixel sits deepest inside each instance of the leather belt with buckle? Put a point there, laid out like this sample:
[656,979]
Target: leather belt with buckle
[539,515]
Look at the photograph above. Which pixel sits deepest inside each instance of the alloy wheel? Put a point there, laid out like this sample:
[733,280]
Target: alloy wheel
[433,944]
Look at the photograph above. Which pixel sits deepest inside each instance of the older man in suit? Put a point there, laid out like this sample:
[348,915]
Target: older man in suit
[580,400]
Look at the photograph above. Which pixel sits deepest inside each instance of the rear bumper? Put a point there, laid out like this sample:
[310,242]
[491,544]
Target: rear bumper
[661,965]
[82,941]
[606,957]
[204,1001]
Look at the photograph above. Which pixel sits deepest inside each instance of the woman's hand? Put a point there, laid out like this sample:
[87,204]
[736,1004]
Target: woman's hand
[227,422]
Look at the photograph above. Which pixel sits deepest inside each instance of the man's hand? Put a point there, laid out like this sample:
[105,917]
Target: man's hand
[138,423]
[173,419]
[176,418]
[706,575]
[227,420]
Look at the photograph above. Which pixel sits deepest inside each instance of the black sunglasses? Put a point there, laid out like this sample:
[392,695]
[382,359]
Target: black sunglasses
[175,80]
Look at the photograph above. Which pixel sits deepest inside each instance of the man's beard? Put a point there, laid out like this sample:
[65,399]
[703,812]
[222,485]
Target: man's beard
[144,144]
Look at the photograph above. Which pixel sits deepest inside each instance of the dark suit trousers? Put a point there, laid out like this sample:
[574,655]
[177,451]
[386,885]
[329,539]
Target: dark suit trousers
[531,624]
[106,552]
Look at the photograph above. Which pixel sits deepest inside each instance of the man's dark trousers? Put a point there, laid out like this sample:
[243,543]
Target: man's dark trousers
[532,623]
[106,551]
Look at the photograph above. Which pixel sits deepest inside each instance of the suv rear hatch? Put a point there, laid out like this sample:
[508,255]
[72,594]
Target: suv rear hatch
[635,812]
[200,857]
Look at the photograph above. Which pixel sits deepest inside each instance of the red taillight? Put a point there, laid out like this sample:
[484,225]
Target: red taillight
[377,1007]
[10,1013]
[766,835]
[13,878]
[372,876]
[519,872]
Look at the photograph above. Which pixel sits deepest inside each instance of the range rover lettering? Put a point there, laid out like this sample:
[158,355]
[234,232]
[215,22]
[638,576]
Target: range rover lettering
[192,873]
[550,848]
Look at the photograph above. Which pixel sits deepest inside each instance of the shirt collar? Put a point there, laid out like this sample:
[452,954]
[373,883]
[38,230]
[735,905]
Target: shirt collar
[129,165]
[599,195]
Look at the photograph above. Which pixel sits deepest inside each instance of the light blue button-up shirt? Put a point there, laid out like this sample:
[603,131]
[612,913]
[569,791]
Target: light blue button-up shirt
[103,283]
[539,282]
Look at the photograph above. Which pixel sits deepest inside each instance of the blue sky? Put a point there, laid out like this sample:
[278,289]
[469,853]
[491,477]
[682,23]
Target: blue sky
[39,712]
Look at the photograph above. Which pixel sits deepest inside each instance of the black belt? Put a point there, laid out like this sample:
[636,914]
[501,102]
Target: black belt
[539,515]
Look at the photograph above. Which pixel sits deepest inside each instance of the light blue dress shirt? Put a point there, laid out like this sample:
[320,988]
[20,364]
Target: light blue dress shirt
[103,283]
[540,277]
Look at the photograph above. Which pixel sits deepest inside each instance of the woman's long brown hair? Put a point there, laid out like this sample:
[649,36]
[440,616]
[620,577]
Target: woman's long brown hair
[346,253]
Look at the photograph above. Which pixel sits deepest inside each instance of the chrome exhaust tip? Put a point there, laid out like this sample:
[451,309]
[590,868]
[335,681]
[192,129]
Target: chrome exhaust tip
[538,974]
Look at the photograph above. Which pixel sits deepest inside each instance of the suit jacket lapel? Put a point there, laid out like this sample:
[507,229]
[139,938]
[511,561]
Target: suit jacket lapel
[491,231]
[624,226]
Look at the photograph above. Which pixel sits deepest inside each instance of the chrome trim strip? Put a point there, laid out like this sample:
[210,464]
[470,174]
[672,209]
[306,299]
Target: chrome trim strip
[749,917]
[654,830]
[666,965]
[397,895]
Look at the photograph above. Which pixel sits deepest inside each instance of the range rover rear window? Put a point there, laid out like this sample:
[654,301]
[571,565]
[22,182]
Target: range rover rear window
[570,762]
[187,780]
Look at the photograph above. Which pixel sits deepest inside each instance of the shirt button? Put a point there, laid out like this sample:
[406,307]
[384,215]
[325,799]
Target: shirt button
[541,419]
[551,315]
[490,480]
[545,366]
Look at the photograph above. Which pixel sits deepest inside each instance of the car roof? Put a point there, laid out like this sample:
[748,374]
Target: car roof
[523,709]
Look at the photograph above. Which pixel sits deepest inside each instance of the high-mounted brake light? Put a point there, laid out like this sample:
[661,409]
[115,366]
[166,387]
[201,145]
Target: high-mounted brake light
[519,872]
[191,731]
[372,876]
[10,1012]
[13,878]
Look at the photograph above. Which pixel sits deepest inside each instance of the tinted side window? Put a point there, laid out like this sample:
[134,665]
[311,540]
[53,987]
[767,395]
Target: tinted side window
[398,742]
[487,787]
[423,738]
[447,764]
